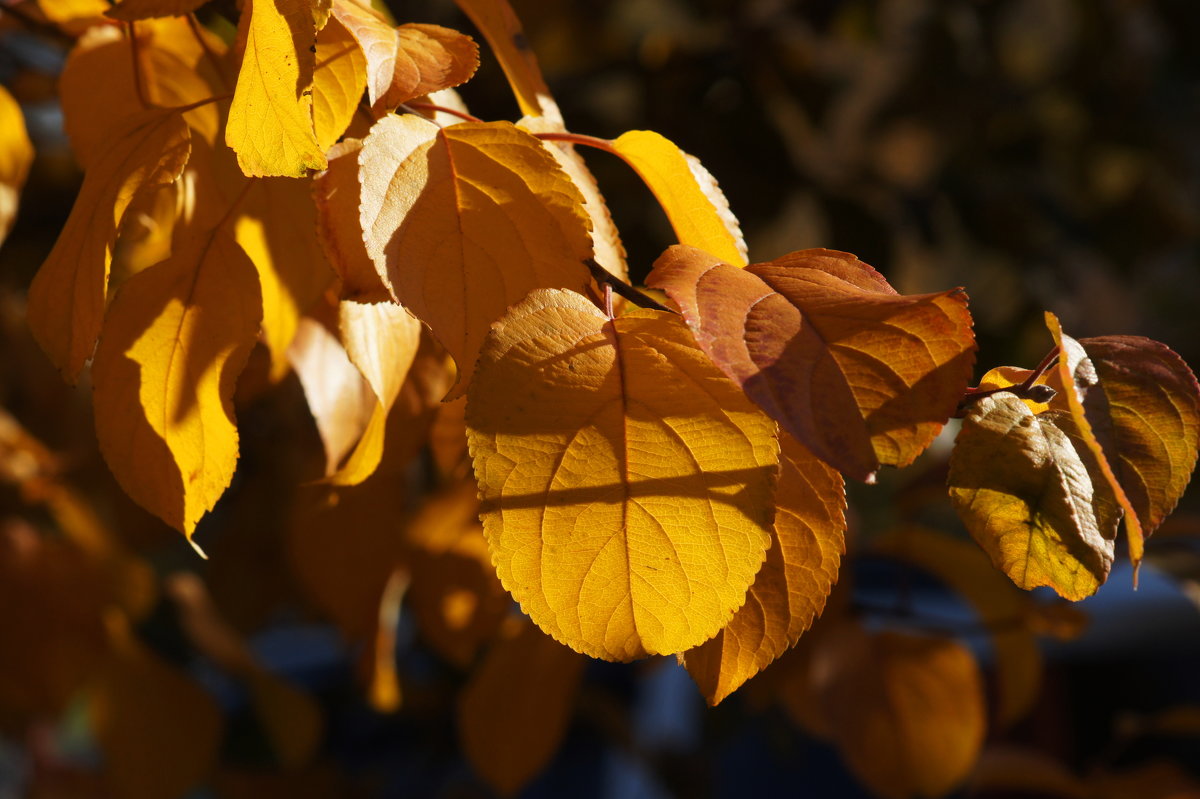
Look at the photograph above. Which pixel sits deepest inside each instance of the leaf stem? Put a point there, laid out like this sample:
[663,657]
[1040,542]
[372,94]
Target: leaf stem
[183,109]
[135,53]
[1028,389]
[613,283]
[198,35]
[579,138]
[443,109]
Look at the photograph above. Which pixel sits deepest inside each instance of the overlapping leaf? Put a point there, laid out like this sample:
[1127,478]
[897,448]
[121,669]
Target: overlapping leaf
[627,485]
[1030,492]
[859,374]
[789,591]
[336,192]
[690,196]
[175,339]
[16,154]
[339,77]
[66,299]
[270,123]
[464,221]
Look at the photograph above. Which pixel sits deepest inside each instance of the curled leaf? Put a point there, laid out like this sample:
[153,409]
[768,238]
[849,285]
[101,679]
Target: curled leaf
[861,375]
[627,485]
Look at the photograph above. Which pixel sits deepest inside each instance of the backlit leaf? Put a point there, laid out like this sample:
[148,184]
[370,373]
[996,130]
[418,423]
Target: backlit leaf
[861,375]
[906,712]
[1009,376]
[790,589]
[16,154]
[514,711]
[377,40]
[627,485]
[429,58]
[129,10]
[175,339]
[74,16]
[270,122]
[1026,488]
[336,192]
[66,299]
[339,77]
[462,222]
[499,25]
[689,195]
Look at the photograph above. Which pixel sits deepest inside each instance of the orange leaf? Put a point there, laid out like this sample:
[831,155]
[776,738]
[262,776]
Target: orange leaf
[1029,491]
[859,374]
[129,10]
[514,711]
[16,154]
[499,25]
[906,712]
[336,192]
[789,591]
[66,299]
[429,58]
[463,222]
[627,485]
[175,339]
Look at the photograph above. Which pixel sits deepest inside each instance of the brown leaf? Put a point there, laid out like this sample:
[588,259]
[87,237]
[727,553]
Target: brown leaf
[859,374]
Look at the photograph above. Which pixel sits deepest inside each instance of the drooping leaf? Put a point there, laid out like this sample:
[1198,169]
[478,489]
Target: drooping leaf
[689,195]
[861,375]
[513,712]
[66,298]
[1027,489]
[429,58]
[339,78]
[790,589]
[175,339]
[277,227]
[377,40]
[906,712]
[130,10]
[1139,407]
[16,154]
[464,221]
[965,569]
[502,30]
[627,485]
[336,192]
[270,122]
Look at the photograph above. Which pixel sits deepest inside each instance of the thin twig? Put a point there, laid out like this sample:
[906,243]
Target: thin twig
[137,66]
[608,279]
[579,138]
[430,107]
[1028,389]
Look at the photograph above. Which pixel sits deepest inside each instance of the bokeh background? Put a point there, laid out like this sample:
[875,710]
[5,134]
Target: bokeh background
[1043,154]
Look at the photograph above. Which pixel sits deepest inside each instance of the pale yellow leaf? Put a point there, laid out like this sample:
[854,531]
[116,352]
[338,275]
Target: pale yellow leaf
[627,485]
[175,339]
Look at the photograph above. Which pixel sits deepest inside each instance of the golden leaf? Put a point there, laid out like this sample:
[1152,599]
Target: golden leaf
[1027,489]
[16,154]
[339,78]
[463,222]
[270,122]
[336,192]
[627,486]
[499,25]
[859,374]
[66,299]
[129,10]
[689,195]
[789,591]
[175,339]
[514,711]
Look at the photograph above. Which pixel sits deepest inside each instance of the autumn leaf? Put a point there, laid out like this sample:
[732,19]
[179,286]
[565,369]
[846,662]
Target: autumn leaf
[175,339]
[1138,407]
[130,10]
[464,221]
[689,195]
[336,192]
[66,299]
[74,16]
[627,485]
[514,711]
[905,711]
[1029,492]
[789,591]
[502,30]
[16,154]
[339,77]
[429,58]
[270,122]
[859,374]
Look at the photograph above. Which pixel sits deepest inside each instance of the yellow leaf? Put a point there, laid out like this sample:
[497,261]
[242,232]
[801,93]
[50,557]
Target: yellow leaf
[74,16]
[270,122]
[97,88]
[689,195]
[277,227]
[964,568]
[129,10]
[429,58]
[906,712]
[627,485]
[499,25]
[339,78]
[463,222]
[175,339]
[66,299]
[789,591]
[1009,376]
[1026,488]
[336,192]
[514,711]
[16,154]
